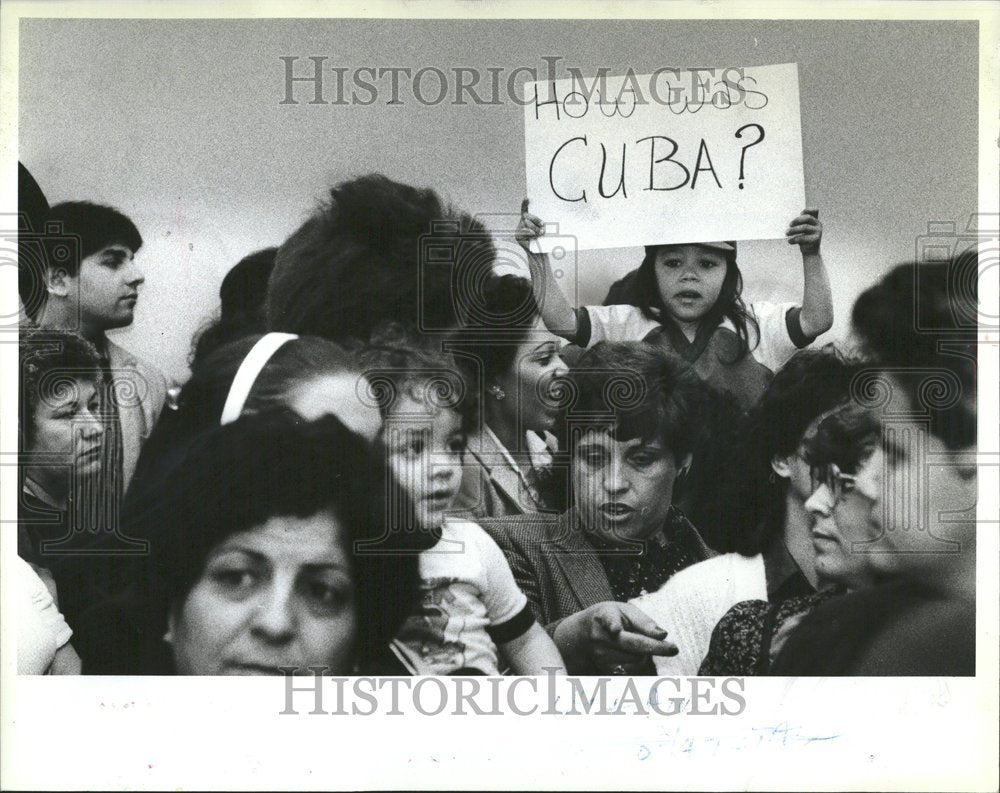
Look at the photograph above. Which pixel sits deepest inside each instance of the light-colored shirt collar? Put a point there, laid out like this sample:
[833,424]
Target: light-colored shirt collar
[32,488]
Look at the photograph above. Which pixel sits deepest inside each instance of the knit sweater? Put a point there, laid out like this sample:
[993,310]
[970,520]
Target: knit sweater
[692,602]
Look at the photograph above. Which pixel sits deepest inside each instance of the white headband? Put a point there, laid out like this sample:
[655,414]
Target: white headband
[247,374]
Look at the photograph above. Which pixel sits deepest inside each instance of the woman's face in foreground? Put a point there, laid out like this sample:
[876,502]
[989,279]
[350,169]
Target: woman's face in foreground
[280,594]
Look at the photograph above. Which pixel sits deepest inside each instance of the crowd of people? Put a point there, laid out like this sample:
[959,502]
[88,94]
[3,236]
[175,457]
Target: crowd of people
[390,458]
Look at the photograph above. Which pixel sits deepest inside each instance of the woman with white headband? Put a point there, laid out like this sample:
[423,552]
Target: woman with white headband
[251,455]
[306,374]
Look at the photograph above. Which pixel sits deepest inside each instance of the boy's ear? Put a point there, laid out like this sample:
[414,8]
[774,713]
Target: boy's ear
[57,281]
[685,464]
[781,467]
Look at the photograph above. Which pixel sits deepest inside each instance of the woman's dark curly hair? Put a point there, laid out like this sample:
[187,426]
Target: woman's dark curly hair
[237,476]
[810,384]
[653,394]
[729,305]
[846,438]
[498,318]
[641,390]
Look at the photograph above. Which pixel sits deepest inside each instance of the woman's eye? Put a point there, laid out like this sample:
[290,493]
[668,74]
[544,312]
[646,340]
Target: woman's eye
[325,596]
[234,578]
[672,263]
[456,445]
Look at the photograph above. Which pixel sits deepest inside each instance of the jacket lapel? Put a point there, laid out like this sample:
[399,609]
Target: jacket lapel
[504,479]
[132,390]
[580,566]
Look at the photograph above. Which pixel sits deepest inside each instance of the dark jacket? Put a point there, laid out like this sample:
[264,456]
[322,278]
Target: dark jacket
[559,571]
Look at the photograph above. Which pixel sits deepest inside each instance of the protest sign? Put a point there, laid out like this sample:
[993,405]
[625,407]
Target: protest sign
[680,155]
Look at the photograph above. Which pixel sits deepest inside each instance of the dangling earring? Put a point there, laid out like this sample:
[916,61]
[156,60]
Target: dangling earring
[771,478]
[497,392]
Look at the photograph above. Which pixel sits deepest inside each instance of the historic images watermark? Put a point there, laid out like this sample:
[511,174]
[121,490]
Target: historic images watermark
[309,692]
[318,80]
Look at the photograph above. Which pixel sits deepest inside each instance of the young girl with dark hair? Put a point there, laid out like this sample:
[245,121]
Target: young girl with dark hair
[688,299]
[472,618]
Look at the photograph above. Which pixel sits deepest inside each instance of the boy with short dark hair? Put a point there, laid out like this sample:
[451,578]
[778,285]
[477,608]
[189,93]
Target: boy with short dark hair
[91,293]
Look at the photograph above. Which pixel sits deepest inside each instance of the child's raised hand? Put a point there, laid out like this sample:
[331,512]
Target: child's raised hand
[806,231]
[529,228]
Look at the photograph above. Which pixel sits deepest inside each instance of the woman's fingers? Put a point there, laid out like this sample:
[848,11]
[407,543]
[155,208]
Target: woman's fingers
[608,624]
[607,658]
[639,621]
[638,644]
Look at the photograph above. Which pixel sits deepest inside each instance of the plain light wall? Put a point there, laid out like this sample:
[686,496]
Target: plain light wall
[179,124]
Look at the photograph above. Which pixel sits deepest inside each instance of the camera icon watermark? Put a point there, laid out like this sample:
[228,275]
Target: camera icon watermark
[973,257]
[467,260]
[35,252]
[914,508]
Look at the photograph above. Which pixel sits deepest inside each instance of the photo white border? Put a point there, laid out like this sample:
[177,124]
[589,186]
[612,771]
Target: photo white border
[117,733]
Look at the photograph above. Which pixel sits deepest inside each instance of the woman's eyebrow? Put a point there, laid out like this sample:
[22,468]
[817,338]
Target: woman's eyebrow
[236,548]
[114,255]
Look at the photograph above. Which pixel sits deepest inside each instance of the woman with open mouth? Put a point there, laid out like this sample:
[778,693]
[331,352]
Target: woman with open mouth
[633,426]
[509,468]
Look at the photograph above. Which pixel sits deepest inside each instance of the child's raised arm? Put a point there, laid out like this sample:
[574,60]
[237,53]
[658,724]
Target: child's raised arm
[557,314]
[533,653]
[817,303]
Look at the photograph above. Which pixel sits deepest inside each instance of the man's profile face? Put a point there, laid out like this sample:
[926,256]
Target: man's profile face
[925,500]
[107,284]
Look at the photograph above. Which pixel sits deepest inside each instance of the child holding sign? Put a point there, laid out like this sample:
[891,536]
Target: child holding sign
[688,300]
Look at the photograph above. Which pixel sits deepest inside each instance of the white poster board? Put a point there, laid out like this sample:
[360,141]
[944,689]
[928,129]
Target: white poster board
[687,155]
